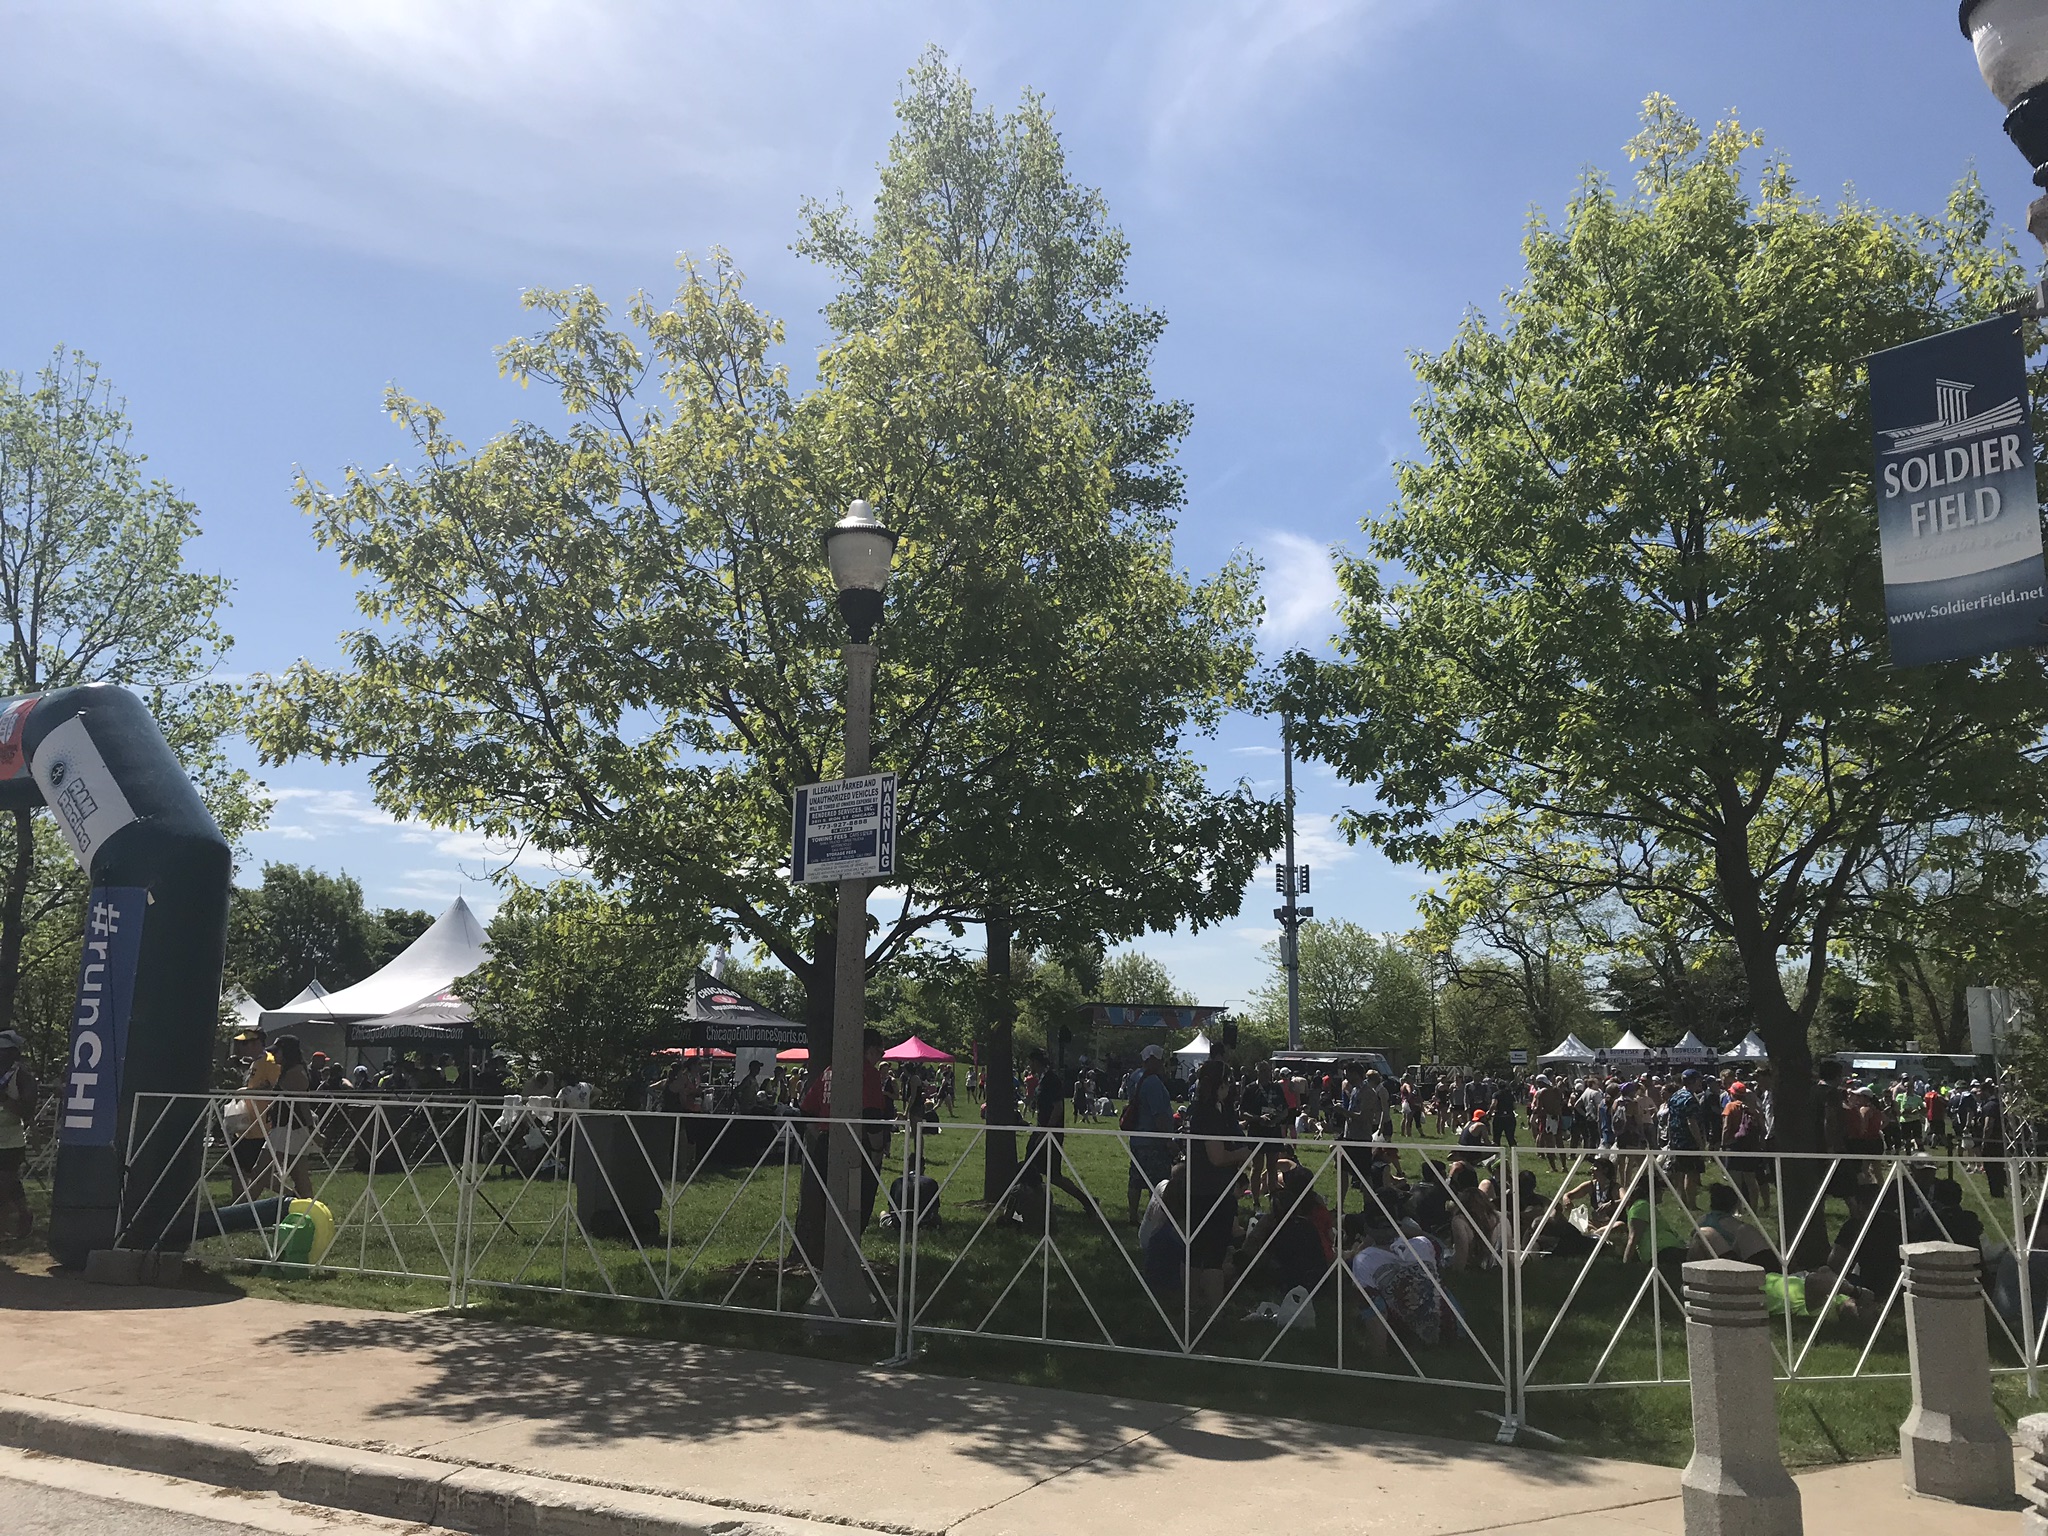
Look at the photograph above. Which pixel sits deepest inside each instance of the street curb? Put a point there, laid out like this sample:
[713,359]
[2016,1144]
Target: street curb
[410,1488]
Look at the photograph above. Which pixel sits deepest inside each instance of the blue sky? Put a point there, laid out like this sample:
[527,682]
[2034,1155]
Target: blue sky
[257,214]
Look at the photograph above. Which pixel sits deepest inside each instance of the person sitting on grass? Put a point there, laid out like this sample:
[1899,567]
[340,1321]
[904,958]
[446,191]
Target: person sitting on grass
[1643,1227]
[1216,1159]
[1370,1257]
[1602,1193]
[1804,1295]
[1162,1248]
[1398,1288]
[1475,1140]
[1474,1221]
[1431,1205]
[1303,1245]
[1724,1234]
[1940,1216]
[1867,1242]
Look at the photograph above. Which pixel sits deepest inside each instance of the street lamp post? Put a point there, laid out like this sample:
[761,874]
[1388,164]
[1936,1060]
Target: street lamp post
[2011,41]
[859,550]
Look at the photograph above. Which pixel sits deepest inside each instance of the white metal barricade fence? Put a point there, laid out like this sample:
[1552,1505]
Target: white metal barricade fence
[1520,1272]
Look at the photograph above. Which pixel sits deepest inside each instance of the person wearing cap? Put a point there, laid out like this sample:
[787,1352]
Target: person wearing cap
[1684,1136]
[18,1095]
[249,1154]
[1149,1112]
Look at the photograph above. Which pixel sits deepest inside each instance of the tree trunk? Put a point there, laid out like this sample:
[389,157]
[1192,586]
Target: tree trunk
[999,1161]
[1955,1034]
[818,979]
[820,982]
[12,897]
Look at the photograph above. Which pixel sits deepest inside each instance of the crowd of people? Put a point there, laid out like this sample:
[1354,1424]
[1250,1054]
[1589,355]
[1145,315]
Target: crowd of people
[1225,1198]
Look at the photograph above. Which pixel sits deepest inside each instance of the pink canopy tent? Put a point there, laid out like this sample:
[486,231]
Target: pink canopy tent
[915,1049]
[794,1053]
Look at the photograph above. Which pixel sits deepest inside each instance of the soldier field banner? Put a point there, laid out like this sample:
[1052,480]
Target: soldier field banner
[1959,526]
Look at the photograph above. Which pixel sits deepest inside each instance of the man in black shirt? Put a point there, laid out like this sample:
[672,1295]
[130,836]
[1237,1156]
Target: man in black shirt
[1042,1160]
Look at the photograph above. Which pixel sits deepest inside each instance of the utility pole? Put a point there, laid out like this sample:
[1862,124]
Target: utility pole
[1292,880]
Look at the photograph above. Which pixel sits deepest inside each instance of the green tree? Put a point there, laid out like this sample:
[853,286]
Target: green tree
[1358,989]
[1664,987]
[94,587]
[300,925]
[620,641]
[1134,977]
[1637,621]
[581,985]
[1481,1017]
[1534,939]
[396,928]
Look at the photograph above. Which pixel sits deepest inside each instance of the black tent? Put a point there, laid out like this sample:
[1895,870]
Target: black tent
[442,1019]
[720,1015]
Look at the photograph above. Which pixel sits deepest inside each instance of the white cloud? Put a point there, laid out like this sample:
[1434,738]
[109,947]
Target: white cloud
[1300,588]
[451,131]
[309,815]
[300,814]
[1228,61]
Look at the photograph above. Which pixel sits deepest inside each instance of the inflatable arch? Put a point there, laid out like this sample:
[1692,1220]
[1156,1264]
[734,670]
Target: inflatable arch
[148,999]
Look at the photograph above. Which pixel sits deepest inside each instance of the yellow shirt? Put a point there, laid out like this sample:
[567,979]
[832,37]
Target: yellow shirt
[262,1074]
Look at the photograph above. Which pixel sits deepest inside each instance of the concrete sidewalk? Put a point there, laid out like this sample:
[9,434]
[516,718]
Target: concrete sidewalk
[817,1441]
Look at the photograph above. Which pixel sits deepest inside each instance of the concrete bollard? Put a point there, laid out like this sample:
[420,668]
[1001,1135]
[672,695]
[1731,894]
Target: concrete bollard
[1951,1445]
[1736,1483]
[2033,1434]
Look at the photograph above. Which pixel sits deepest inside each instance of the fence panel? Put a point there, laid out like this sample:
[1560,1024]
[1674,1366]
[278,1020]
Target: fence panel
[388,1171]
[1522,1271]
[1598,1257]
[1036,1243]
[711,1211]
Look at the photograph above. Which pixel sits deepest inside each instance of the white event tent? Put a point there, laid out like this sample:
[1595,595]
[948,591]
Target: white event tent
[1692,1048]
[1751,1049]
[1570,1049]
[453,946]
[1196,1051]
[1629,1047]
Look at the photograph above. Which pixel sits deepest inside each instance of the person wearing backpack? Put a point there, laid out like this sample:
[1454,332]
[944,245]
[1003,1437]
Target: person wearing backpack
[1147,1118]
[17,1111]
[1742,1137]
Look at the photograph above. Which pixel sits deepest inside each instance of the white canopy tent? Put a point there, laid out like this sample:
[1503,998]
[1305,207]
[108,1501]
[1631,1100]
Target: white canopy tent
[311,1001]
[1196,1051]
[1570,1049]
[1629,1047]
[1751,1049]
[452,947]
[1692,1048]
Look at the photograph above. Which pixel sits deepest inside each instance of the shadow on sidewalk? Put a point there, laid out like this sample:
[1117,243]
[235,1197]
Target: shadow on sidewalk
[49,1289]
[576,1389]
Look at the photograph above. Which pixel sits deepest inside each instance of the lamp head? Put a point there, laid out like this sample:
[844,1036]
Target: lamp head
[2011,41]
[860,550]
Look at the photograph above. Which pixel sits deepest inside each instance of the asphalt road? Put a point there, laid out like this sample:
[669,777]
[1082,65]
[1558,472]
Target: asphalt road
[48,1496]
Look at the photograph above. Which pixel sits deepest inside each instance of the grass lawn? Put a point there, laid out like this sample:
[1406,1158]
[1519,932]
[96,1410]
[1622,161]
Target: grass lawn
[725,1228]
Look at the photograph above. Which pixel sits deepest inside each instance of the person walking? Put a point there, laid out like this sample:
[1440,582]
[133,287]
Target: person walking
[1148,1117]
[18,1096]
[1504,1108]
[289,1133]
